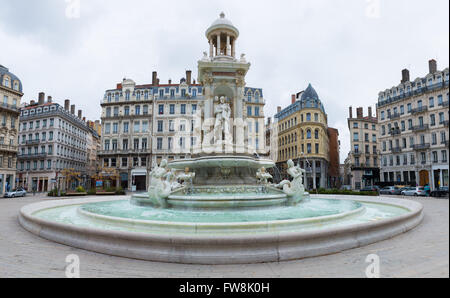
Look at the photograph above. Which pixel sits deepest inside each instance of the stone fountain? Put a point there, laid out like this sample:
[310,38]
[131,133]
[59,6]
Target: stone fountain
[220,207]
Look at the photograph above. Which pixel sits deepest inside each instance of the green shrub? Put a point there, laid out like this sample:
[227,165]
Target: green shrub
[345,192]
[80,189]
[120,191]
[92,192]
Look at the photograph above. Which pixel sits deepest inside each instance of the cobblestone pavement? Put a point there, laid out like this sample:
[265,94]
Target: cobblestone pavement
[422,252]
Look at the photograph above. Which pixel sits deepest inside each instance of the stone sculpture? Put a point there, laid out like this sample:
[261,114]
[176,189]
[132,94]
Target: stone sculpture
[294,188]
[263,176]
[162,183]
[222,124]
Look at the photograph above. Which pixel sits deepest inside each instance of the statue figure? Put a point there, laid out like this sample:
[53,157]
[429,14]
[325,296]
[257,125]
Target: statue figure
[187,177]
[222,125]
[161,184]
[205,56]
[294,188]
[243,58]
[263,176]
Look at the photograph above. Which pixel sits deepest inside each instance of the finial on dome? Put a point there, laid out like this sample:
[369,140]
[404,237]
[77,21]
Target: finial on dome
[222,15]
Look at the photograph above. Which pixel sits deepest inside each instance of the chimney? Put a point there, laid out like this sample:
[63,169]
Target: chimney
[80,114]
[350,110]
[84,119]
[157,82]
[188,77]
[32,102]
[359,112]
[405,76]
[269,120]
[278,109]
[49,99]
[67,105]
[432,65]
[72,109]
[170,82]
[41,98]
[370,112]
[194,82]
[293,98]
[154,78]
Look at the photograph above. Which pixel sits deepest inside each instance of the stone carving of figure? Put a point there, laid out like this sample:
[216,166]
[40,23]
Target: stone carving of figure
[162,183]
[294,188]
[187,177]
[263,176]
[222,125]
[243,58]
[205,56]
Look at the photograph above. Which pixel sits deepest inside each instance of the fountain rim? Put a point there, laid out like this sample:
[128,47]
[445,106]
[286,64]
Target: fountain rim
[26,216]
[225,161]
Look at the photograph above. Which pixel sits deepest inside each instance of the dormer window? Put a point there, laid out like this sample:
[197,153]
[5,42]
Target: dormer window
[16,86]
[6,82]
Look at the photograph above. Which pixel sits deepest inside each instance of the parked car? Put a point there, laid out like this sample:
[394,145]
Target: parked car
[440,192]
[414,191]
[19,192]
[371,189]
[390,190]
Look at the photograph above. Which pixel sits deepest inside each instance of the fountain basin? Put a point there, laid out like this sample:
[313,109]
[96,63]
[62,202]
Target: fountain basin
[210,242]
[221,162]
[208,197]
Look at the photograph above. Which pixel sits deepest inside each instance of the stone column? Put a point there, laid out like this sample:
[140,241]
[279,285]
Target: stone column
[211,48]
[228,53]
[314,174]
[233,48]
[441,182]
[218,45]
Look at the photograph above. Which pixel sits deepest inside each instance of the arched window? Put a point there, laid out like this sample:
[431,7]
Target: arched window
[256,97]
[249,97]
[6,82]
[303,135]
[316,133]
[308,134]
[308,117]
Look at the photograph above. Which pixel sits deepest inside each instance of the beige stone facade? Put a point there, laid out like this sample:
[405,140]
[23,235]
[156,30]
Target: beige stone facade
[363,159]
[414,120]
[11,95]
[303,137]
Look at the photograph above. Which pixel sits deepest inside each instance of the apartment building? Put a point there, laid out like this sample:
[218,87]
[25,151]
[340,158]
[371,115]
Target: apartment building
[414,120]
[11,94]
[363,159]
[302,129]
[51,138]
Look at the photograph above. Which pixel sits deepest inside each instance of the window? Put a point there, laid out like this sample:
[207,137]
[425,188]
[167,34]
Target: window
[194,108]
[382,115]
[161,126]
[145,126]
[355,137]
[126,127]
[308,134]
[161,109]
[172,109]
[183,109]
[115,128]
[137,110]
[409,108]
[137,126]
[249,111]
[431,102]
[308,117]
[316,134]
[127,111]
[432,120]
[171,125]
[257,111]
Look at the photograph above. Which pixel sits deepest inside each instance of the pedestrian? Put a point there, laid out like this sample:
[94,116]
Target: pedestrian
[427,190]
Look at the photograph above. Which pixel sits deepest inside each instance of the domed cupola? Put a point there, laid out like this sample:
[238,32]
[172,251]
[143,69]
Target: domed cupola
[222,36]
[310,99]
[9,80]
[310,94]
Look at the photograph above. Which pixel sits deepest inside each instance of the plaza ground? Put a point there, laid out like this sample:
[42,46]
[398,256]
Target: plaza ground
[422,252]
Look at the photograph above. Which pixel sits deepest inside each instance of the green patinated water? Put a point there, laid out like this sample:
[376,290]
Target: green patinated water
[308,209]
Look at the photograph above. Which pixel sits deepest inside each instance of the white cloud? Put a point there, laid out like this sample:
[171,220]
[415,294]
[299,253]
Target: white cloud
[332,44]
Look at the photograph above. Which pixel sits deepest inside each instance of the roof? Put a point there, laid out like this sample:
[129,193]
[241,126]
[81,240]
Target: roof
[5,71]
[220,23]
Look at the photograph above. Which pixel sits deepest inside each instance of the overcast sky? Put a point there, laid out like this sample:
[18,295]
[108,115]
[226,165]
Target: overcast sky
[349,50]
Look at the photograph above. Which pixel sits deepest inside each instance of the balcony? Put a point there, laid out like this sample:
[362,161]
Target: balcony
[420,128]
[445,123]
[445,104]
[357,153]
[397,150]
[32,142]
[9,108]
[419,110]
[8,148]
[395,132]
[421,147]
[31,156]
[394,116]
